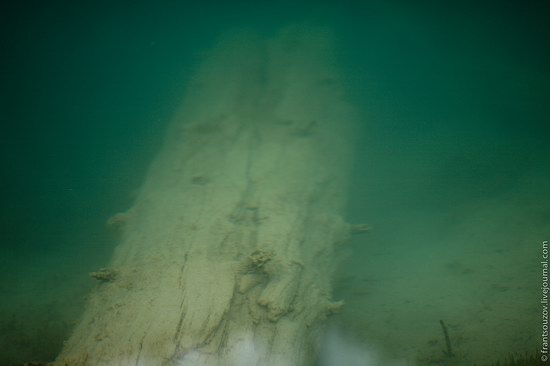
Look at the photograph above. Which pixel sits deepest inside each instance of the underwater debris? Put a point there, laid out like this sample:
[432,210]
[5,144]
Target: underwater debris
[104,275]
[260,257]
[359,229]
[449,350]
[335,307]
[118,220]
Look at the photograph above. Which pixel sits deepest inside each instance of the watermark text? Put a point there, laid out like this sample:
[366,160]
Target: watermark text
[544,301]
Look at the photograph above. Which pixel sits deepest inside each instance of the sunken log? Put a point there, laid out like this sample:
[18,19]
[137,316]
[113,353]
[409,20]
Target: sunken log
[227,255]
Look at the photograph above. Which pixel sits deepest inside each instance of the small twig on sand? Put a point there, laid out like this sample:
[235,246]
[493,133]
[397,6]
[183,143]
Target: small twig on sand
[449,351]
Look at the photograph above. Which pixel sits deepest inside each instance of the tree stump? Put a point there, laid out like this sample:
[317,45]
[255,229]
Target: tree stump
[227,255]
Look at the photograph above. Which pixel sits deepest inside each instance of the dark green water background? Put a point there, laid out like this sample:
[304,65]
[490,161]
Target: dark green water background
[452,171]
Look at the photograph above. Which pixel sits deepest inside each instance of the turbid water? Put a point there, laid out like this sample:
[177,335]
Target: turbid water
[452,173]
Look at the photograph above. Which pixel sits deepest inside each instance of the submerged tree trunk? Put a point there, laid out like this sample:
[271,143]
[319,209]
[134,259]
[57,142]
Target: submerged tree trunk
[227,255]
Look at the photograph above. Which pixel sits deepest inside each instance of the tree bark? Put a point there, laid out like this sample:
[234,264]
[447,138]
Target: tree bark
[227,255]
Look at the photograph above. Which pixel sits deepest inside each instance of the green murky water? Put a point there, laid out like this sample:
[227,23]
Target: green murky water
[452,172]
